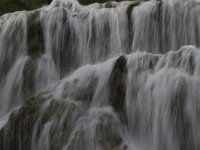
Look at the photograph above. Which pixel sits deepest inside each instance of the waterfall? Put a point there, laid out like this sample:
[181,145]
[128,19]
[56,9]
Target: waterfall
[105,76]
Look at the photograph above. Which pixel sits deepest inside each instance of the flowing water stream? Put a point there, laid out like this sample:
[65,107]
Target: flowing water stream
[113,76]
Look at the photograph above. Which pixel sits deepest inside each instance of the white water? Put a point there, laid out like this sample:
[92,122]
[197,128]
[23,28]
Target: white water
[161,103]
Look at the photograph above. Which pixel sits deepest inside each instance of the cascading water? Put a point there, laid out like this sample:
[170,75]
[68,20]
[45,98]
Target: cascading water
[113,76]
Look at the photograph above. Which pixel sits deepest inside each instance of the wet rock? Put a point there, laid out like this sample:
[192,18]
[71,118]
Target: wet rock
[16,134]
[118,84]
[130,21]
[34,35]
[27,124]
[107,133]
[57,119]
[62,116]
[28,82]
[79,92]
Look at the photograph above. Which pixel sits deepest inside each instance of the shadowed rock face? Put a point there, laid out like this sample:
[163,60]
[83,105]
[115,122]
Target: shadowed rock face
[34,36]
[7,6]
[118,84]
[86,2]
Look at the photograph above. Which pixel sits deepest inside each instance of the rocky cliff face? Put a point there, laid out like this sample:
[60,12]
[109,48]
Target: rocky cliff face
[7,6]
[66,122]
[98,106]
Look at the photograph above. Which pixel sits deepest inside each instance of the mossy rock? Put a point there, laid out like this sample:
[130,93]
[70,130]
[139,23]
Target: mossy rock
[36,112]
[20,125]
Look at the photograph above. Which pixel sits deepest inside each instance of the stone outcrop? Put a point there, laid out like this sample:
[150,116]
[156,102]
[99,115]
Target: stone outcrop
[7,6]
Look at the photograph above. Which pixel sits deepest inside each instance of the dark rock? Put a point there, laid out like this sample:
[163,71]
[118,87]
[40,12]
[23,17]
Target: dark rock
[118,84]
[131,22]
[28,82]
[107,134]
[16,134]
[32,117]
[87,2]
[34,4]
[7,6]
[34,36]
